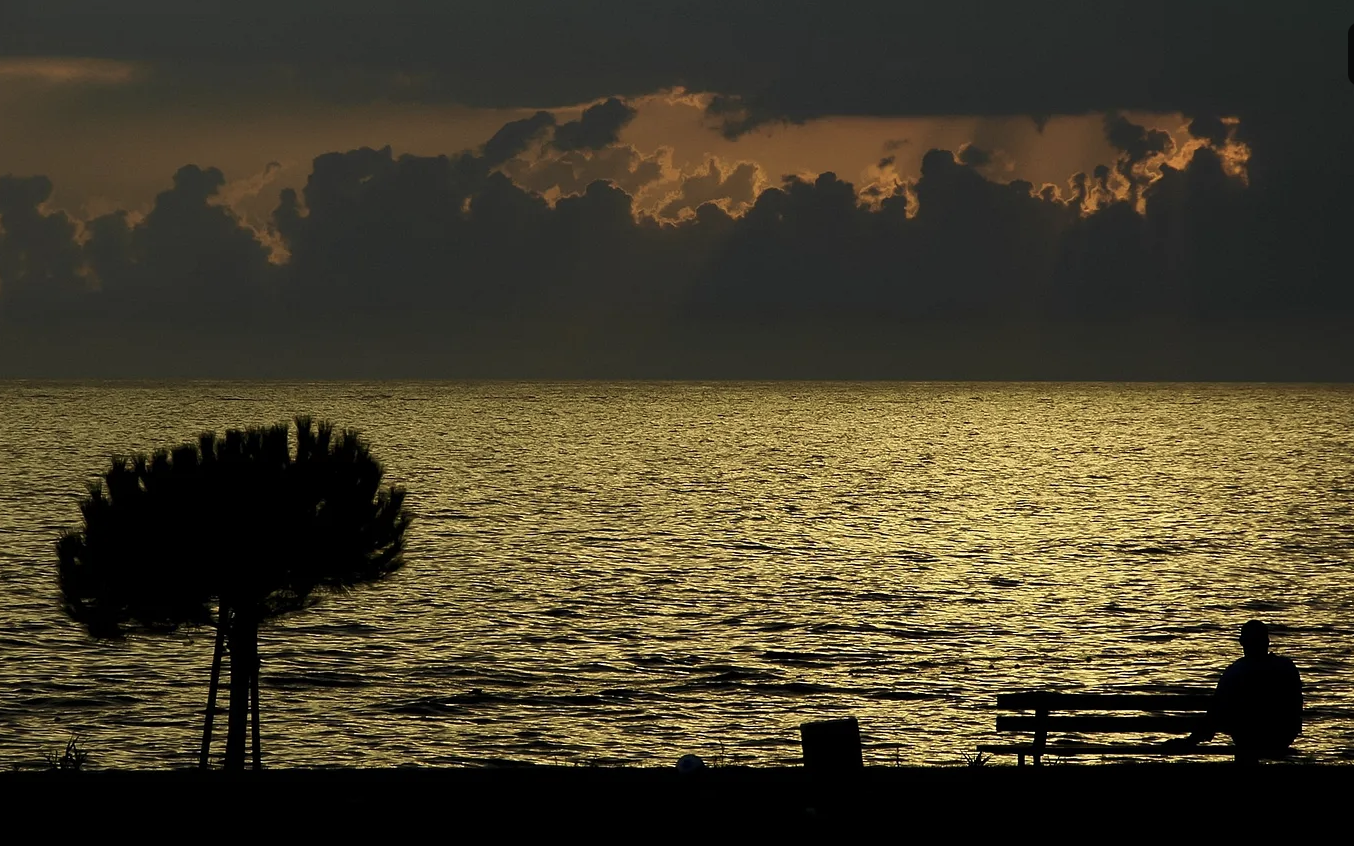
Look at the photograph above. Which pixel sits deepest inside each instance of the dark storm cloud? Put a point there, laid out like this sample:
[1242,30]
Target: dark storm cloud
[1137,142]
[189,249]
[189,259]
[598,127]
[39,257]
[176,292]
[736,115]
[515,137]
[444,266]
[974,156]
[1211,128]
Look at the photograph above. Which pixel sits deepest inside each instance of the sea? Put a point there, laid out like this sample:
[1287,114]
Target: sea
[624,573]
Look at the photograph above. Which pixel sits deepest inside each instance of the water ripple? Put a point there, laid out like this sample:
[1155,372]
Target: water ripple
[623,573]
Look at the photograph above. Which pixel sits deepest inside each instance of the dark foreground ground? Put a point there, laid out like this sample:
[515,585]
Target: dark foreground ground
[1116,802]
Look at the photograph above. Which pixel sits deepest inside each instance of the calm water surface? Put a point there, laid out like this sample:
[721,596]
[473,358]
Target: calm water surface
[623,573]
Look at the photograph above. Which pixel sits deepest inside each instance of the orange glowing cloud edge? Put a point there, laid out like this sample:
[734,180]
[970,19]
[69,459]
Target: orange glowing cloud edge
[883,180]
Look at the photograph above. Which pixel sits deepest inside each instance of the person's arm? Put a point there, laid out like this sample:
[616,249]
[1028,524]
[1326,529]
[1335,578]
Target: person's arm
[1211,720]
[1203,734]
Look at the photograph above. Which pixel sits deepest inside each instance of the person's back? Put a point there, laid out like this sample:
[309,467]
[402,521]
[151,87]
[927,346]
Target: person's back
[1258,701]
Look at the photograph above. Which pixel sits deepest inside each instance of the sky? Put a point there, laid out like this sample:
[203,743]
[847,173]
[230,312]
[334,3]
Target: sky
[606,189]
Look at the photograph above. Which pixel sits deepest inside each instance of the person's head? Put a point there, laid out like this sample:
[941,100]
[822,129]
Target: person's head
[1255,638]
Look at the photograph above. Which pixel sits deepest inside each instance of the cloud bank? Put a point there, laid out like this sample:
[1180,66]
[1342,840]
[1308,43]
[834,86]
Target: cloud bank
[1167,263]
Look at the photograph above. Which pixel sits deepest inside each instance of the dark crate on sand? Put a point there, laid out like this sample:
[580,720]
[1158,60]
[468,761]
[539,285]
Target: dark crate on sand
[831,745]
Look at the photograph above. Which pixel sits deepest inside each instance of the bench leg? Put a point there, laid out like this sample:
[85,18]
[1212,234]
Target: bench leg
[1040,734]
[1020,757]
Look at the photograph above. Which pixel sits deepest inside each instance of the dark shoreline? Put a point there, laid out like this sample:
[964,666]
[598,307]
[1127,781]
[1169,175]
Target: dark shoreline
[353,801]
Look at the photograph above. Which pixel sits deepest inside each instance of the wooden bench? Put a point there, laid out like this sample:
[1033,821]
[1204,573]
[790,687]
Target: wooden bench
[1159,713]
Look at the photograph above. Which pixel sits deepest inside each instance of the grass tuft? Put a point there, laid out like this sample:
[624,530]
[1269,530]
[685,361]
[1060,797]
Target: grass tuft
[71,759]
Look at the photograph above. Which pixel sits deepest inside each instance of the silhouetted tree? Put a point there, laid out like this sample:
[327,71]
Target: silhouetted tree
[238,522]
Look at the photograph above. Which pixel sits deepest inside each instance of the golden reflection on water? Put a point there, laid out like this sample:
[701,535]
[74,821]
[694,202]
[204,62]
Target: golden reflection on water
[628,572]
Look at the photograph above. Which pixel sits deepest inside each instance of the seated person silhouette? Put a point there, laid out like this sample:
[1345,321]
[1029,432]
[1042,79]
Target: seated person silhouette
[1258,701]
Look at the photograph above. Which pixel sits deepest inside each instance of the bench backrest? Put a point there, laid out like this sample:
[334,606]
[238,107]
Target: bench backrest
[1193,705]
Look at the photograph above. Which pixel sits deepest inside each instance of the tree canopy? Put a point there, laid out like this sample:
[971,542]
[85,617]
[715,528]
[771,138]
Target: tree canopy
[240,519]
[242,522]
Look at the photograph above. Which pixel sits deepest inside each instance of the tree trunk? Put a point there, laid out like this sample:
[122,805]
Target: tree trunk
[244,661]
[222,614]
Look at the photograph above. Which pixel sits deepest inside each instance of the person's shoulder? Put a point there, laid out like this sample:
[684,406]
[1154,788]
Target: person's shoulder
[1284,663]
[1239,667]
